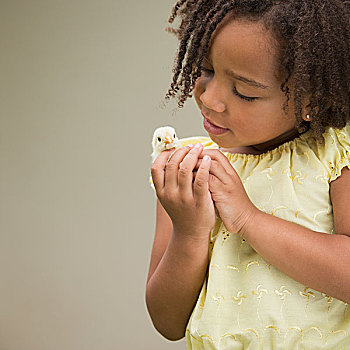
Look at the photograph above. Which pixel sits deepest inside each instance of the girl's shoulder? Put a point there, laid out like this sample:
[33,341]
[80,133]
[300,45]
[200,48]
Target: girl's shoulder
[337,137]
[334,152]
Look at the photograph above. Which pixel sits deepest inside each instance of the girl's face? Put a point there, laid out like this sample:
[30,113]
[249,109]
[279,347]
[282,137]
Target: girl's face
[239,91]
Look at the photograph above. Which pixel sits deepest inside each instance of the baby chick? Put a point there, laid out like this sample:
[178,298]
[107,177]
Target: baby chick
[164,138]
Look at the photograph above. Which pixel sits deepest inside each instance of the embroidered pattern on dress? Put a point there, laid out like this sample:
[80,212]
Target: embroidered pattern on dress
[256,293]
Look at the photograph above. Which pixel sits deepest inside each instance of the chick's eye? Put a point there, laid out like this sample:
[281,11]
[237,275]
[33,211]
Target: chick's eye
[174,135]
[159,139]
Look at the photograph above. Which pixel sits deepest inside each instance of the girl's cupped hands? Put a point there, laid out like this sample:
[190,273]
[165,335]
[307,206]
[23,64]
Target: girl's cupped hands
[227,191]
[186,199]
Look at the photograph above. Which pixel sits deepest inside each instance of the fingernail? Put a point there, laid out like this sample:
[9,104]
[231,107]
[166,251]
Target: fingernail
[190,145]
[206,158]
[197,145]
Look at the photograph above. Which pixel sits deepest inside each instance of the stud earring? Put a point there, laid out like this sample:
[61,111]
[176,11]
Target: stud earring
[308,117]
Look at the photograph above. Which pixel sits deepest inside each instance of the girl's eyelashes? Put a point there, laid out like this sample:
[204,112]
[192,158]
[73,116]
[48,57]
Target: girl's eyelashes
[246,98]
[208,71]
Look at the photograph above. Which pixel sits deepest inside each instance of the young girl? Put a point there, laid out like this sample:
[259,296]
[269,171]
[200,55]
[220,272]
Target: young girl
[271,268]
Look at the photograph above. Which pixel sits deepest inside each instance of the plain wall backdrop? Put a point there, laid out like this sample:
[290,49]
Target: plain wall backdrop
[81,90]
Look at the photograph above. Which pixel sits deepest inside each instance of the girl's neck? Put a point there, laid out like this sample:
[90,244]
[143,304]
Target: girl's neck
[274,143]
[266,146]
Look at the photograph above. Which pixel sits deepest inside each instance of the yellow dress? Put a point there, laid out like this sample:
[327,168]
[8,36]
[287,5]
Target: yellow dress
[245,302]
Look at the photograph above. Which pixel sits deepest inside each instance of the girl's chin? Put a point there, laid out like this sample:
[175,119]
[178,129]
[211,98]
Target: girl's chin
[221,142]
[230,147]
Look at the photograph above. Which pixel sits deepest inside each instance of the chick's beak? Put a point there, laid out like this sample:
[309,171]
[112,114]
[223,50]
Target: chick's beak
[168,139]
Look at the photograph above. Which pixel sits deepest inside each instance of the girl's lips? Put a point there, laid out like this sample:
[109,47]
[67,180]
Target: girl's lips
[213,129]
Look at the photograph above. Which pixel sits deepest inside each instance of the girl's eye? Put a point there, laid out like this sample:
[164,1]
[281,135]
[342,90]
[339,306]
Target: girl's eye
[208,71]
[246,98]
[174,136]
[159,139]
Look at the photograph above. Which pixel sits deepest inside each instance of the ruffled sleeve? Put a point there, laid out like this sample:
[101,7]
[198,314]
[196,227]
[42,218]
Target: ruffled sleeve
[205,141]
[335,153]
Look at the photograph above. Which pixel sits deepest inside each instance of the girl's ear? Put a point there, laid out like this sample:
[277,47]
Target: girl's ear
[307,117]
[306,110]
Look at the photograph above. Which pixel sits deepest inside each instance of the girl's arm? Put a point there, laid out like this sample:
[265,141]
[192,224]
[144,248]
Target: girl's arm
[176,274]
[164,228]
[319,260]
[185,217]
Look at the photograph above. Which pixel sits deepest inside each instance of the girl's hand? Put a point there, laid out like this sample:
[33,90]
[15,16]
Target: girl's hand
[188,203]
[231,200]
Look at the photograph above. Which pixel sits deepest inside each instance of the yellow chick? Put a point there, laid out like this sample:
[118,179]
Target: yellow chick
[164,138]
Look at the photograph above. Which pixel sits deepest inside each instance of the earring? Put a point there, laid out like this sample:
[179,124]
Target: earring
[308,117]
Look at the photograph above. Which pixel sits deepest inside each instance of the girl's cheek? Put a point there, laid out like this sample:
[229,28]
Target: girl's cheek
[200,83]
[199,88]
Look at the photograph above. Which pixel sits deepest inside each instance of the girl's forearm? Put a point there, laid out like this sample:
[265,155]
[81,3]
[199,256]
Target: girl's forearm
[173,289]
[318,260]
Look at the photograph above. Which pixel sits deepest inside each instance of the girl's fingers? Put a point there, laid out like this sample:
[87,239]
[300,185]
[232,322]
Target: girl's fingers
[199,161]
[157,170]
[219,158]
[215,169]
[201,182]
[221,167]
[172,167]
[186,168]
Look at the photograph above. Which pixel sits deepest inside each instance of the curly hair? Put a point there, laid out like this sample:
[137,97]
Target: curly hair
[313,39]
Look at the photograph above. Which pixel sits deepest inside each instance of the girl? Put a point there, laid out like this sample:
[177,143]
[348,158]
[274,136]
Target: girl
[271,271]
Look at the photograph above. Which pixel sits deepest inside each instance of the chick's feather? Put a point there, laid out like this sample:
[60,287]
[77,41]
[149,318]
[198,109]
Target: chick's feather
[164,138]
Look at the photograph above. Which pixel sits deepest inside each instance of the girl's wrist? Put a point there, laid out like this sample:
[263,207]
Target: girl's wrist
[250,224]
[191,236]
[195,249]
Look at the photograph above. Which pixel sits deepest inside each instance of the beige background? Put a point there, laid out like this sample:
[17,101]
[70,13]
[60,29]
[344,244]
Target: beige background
[81,85]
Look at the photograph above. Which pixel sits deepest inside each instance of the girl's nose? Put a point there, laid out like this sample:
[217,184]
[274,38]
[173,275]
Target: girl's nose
[212,99]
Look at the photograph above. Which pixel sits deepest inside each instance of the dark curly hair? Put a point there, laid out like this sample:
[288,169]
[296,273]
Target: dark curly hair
[314,50]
